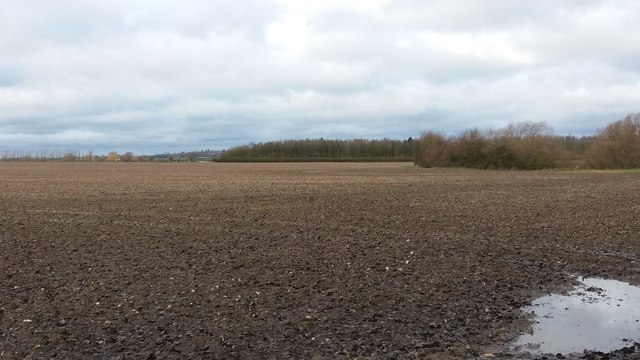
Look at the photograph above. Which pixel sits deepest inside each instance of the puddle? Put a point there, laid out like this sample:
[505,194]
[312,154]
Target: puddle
[600,315]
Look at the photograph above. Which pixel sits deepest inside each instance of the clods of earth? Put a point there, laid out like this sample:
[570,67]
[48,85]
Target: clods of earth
[223,261]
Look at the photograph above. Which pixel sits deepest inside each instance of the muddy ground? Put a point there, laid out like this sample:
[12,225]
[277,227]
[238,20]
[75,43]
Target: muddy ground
[161,261]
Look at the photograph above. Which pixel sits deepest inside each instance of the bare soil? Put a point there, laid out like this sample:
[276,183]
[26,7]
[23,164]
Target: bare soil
[162,261]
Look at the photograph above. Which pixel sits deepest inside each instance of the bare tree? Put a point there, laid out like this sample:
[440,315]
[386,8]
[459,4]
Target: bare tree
[127,157]
[113,156]
[433,149]
[618,145]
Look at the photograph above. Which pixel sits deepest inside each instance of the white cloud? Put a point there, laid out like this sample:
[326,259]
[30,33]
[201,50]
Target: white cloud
[192,74]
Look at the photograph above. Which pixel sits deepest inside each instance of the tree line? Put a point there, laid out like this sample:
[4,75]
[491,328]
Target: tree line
[47,155]
[322,150]
[526,145]
[532,145]
[27,155]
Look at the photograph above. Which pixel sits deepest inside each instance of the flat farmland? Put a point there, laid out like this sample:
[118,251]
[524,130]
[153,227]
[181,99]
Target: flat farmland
[201,260]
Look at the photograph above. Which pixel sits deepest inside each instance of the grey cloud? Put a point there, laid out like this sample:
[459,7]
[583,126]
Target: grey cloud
[73,21]
[10,76]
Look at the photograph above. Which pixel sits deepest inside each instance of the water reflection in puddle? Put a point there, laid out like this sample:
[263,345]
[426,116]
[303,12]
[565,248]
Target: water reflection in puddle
[601,315]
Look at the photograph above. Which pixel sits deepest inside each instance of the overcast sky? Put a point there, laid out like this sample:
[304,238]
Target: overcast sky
[162,75]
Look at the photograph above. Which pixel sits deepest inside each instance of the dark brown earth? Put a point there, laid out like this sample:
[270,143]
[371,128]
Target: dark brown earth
[155,261]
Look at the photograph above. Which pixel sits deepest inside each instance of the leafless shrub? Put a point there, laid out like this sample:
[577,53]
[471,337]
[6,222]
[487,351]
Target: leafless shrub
[618,145]
[432,150]
[526,145]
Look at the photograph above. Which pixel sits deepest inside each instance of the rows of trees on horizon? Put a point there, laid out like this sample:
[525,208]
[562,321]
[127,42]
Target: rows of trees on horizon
[322,150]
[527,145]
[27,155]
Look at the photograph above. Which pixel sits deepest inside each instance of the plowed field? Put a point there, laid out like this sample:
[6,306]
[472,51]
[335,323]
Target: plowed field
[155,261]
